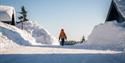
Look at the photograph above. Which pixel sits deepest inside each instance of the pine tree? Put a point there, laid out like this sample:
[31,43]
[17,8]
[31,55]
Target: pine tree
[23,15]
[83,39]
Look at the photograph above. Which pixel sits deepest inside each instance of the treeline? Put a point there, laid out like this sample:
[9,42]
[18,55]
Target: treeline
[73,42]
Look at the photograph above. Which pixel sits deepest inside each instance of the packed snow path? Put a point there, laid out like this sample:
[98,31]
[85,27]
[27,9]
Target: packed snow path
[59,54]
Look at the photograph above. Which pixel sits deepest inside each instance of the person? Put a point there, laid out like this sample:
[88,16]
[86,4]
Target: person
[62,37]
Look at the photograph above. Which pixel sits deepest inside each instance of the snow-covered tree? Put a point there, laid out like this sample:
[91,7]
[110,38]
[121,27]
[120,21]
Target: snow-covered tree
[23,15]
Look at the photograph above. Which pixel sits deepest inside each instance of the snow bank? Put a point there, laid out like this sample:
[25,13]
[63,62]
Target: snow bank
[39,33]
[5,43]
[16,35]
[110,35]
[124,51]
[6,13]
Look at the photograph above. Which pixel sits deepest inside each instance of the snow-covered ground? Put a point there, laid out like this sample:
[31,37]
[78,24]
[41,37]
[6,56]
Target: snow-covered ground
[62,58]
[5,43]
[50,53]
[39,33]
[12,34]
[55,50]
[60,54]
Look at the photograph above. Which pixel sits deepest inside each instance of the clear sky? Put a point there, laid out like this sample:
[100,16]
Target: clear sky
[77,17]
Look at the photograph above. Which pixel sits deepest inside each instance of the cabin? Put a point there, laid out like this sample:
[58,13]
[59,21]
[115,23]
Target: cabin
[7,14]
[116,11]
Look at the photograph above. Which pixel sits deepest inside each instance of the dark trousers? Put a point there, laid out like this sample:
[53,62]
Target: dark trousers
[62,42]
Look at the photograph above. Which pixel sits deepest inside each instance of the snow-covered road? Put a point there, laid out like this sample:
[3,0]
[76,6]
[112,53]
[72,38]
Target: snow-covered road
[59,55]
[62,58]
[54,50]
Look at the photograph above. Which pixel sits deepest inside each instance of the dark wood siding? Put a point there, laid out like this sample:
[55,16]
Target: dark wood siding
[114,14]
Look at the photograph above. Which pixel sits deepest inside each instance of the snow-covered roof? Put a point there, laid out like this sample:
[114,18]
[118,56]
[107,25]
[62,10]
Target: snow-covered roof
[120,4]
[6,13]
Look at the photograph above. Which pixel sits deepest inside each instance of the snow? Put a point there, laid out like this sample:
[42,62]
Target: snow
[13,34]
[56,50]
[5,43]
[39,33]
[11,39]
[62,58]
[60,55]
[124,51]
[6,13]
[104,45]
[109,35]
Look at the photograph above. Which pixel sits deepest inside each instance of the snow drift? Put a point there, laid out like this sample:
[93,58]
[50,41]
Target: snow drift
[124,51]
[5,43]
[39,33]
[110,35]
[13,34]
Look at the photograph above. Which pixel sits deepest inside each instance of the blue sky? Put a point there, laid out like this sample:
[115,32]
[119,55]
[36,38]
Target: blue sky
[77,17]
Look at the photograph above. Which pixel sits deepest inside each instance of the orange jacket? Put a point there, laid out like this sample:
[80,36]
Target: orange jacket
[62,35]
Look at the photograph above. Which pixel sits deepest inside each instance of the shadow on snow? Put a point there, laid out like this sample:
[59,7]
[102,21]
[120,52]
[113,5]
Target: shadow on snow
[62,58]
